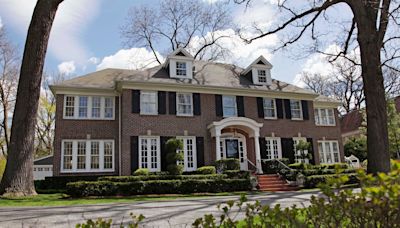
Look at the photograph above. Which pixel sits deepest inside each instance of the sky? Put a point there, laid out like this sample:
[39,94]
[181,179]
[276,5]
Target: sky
[86,37]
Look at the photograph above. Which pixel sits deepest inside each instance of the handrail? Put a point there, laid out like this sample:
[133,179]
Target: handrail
[252,164]
[281,163]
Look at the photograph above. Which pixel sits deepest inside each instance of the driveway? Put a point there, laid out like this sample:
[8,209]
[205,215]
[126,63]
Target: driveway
[171,213]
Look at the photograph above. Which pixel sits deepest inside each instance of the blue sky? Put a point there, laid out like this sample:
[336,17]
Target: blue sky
[86,36]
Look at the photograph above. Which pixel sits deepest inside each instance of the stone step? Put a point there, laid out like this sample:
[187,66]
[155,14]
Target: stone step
[281,188]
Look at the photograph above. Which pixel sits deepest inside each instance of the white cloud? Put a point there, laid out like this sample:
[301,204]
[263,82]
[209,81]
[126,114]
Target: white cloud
[93,60]
[67,68]
[259,13]
[1,23]
[72,17]
[134,58]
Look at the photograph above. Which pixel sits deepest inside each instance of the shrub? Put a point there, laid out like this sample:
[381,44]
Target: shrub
[109,188]
[313,181]
[57,183]
[273,166]
[300,166]
[173,157]
[141,172]
[332,166]
[310,172]
[206,170]
[227,164]
[3,162]
[237,174]
[161,177]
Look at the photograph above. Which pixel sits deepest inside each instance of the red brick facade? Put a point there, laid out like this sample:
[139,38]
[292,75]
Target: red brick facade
[171,125]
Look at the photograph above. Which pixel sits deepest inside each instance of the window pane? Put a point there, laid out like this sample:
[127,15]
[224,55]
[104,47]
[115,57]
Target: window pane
[143,153]
[295,109]
[81,155]
[269,108]
[180,68]
[108,107]
[262,76]
[69,106]
[324,119]
[148,103]
[83,106]
[153,153]
[229,105]
[108,155]
[331,117]
[184,104]
[94,155]
[67,160]
[316,116]
[321,152]
[96,104]
[335,151]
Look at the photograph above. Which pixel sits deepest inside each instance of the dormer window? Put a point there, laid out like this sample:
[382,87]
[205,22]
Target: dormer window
[181,69]
[259,72]
[262,76]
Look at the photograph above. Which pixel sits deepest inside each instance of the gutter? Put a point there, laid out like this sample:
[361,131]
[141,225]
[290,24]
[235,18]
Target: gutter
[119,135]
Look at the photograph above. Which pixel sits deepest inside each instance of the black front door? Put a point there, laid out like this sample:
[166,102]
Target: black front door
[232,148]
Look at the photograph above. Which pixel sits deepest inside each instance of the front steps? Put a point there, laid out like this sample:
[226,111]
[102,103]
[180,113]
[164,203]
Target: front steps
[272,182]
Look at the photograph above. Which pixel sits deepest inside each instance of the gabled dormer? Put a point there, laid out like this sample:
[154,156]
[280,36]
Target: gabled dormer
[180,64]
[259,72]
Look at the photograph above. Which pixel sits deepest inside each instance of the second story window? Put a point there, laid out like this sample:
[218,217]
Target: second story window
[262,76]
[96,107]
[181,69]
[269,108]
[83,107]
[324,117]
[229,106]
[88,107]
[69,106]
[184,103]
[295,108]
[148,103]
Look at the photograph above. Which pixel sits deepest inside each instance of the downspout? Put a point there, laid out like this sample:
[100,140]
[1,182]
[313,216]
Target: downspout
[119,135]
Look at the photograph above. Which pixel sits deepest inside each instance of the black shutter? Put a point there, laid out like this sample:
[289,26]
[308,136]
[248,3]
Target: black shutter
[240,105]
[263,150]
[135,101]
[288,111]
[200,151]
[311,151]
[162,102]
[218,105]
[288,149]
[260,107]
[196,104]
[134,153]
[304,107]
[172,103]
[163,141]
[279,108]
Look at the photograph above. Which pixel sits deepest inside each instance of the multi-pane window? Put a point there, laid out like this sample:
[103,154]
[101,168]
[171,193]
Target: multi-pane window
[295,109]
[87,156]
[229,106]
[262,76]
[148,103]
[81,155]
[149,154]
[67,156]
[96,107]
[300,156]
[328,151]
[189,153]
[269,108]
[184,103]
[69,106]
[273,148]
[95,155]
[88,107]
[181,69]
[324,117]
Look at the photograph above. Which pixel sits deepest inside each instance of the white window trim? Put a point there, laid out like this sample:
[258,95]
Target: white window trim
[331,148]
[278,141]
[185,158]
[235,106]
[319,110]
[88,156]
[89,108]
[301,110]
[191,102]
[258,76]
[141,105]
[176,69]
[149,154]
[276,114]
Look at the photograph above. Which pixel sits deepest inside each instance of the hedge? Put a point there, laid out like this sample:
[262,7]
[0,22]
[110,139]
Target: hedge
[311,172]
[313,181]
[57,183]
[161,177]
[237,174]
[273,166]
[206,170]
[110,188]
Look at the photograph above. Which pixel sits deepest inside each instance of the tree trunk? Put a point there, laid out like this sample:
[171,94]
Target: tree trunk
[377,131]
[18,176]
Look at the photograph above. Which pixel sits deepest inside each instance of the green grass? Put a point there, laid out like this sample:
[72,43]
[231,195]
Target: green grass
[60,199]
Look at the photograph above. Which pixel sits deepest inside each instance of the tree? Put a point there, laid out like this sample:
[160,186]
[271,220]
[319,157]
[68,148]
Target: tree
[394,130]
[18,176]
[9,64]
[174,155]
[191,24]
[356,146]
[367,30]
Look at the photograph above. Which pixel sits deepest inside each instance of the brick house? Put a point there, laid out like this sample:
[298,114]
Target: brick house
[114,121]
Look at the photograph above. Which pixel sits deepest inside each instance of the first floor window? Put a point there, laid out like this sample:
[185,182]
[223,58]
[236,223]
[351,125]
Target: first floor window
[229,106]
[273,148]
[189,153]
[328,151]
[148,103]
[295,109]
[269,108]
[149,154]
[300,155]
[184,103]
[87,156]
[324,117]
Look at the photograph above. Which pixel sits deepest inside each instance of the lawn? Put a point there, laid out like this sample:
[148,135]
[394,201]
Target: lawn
[60,199]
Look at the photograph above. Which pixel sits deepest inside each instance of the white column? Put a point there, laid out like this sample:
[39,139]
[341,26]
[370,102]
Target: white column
[217,147]
[258,153]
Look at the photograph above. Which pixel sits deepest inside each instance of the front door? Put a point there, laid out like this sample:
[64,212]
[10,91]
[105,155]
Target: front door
[235,147]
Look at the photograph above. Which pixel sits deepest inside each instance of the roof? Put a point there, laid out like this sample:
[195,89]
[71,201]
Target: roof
[48,160]
[205,74]
[351,121]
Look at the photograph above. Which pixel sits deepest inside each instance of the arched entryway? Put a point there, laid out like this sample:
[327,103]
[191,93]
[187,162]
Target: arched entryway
[232,137]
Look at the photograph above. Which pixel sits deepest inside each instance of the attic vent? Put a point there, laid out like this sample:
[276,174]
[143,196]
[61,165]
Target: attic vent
[261,62]
[180,54]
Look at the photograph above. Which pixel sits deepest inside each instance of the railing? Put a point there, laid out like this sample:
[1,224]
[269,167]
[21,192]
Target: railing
[252,164]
